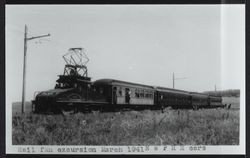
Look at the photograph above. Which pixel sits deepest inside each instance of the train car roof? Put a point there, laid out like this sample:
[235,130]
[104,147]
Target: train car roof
[73,79]
[214,96]
[197,94]
[164,89]
[121,83]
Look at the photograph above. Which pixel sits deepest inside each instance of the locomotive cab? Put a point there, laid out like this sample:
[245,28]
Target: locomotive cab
[73,85]
[73,79]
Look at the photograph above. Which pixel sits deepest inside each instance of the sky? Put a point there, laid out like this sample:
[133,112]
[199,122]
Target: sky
[141,43]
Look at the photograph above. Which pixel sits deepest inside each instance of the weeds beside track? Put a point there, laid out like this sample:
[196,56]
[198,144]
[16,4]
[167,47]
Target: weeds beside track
[173,127]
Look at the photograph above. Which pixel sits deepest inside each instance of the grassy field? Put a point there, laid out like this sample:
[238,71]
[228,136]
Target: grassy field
[173,127]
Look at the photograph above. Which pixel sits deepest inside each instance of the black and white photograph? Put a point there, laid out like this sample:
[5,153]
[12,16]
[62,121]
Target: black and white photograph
[125,79]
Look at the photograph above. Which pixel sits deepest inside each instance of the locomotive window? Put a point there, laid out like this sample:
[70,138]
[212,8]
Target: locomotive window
[145,94]
[123,91]
[148,95]
[101,90]
[120,92]
[151,95]
[66,85]
[141,94]
[115,91]
[132,93]
[137,93]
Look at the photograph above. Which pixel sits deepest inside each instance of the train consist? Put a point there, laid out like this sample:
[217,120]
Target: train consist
[74,91]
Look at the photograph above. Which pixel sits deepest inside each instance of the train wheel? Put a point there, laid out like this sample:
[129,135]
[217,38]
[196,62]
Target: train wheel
[64,112]
[162,109]
[69,110]
[195,107]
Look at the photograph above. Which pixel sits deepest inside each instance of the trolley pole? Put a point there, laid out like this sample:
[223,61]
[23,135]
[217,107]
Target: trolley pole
[26,39]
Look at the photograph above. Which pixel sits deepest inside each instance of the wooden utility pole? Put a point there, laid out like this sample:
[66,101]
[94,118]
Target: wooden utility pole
[173,80]
[26,39]
[24,67]
[176,79]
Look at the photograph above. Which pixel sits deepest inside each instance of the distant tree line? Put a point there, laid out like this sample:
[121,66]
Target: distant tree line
[225,93]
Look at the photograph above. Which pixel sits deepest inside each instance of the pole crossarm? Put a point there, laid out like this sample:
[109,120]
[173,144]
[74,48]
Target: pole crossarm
[180,78]
[31,38]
